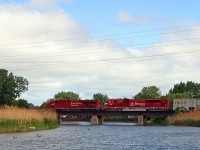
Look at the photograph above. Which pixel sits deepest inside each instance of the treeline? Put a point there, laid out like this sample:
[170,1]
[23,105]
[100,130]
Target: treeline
[181,90]
[12,86]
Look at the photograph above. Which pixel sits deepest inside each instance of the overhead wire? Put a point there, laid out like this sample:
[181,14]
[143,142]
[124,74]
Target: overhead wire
[115,60]
[76,43]
[109,35]
[82,53]
[126,33]
[112,25]
[149,21]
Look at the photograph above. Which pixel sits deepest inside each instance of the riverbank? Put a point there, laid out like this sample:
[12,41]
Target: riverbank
[185,119]
[14,119]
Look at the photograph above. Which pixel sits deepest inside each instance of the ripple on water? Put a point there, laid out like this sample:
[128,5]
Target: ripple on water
[86,137]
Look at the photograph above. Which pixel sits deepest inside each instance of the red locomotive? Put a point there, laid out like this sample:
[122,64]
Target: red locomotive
[111,104]
[74,104]
[132,104]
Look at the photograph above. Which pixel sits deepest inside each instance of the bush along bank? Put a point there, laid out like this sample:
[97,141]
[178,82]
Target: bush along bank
[14,119]
[185,119]
[157,121]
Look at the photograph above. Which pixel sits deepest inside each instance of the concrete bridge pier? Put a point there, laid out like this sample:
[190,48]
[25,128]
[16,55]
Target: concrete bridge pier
[142,120]
[96,120]
[59,119]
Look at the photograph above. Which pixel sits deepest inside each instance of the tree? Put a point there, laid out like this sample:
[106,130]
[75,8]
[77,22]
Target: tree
[43,105]
[22,103]
[172,96]
[148,92]
[31,105]
[66,96]
[11,87]
[102,97]
[192,88]
[184,90]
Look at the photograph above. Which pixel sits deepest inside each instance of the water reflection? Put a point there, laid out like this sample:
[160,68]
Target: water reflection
[85,123]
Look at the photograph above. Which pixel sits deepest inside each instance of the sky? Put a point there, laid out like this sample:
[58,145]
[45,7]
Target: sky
[113,47]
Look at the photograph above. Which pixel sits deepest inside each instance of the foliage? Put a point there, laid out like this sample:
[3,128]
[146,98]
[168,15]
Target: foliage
[184,90]
[192,88]
[172,96]
[22,103]
[158,120]
[67,96]
[116,117]
[43,105]
[31,105]
[148,92]
[11,87]
[102,97]
[177,111]
[14,103]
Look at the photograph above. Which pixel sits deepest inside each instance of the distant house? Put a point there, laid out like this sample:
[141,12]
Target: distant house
[186,104]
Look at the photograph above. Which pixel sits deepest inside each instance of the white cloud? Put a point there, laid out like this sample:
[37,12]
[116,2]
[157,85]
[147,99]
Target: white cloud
[46,3]
[126,17]
[52,51]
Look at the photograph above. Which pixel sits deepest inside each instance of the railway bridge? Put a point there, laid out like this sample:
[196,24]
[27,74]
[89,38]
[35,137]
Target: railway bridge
[97,115]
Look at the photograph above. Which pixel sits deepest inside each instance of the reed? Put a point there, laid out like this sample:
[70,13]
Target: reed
[185,119]
[13,119]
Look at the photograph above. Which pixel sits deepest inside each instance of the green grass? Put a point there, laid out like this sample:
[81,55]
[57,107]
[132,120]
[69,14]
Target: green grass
[7,125]
[13,119]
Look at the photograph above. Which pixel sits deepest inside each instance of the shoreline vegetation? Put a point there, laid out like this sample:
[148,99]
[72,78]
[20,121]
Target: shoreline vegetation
[13,119]
[185,119]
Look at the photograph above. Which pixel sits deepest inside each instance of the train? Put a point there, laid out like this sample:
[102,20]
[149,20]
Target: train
[112,104]
[132,104]
[74,104]
[186,104]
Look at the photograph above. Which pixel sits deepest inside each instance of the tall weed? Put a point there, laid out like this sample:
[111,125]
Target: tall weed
[185,119]
[13,119]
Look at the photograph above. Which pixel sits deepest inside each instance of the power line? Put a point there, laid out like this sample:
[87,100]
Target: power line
[39,55]
[153,20]
[100,40]
[111,25]
[76,51]
[87,38]
[115,60]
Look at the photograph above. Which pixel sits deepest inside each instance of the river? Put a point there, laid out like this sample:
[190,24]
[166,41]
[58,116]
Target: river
[110,136]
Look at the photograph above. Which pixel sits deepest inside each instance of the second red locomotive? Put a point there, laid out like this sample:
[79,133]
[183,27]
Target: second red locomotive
[132,104]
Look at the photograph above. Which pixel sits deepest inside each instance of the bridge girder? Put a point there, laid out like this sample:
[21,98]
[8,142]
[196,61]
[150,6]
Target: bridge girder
[113,113]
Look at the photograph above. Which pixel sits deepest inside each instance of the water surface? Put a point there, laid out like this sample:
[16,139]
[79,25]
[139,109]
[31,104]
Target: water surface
[117,136]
